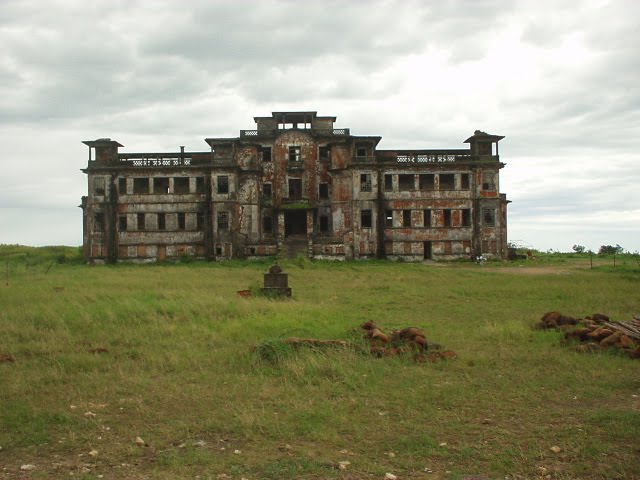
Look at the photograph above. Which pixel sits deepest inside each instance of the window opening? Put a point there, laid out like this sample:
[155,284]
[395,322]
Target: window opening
[426,218]
[427,181]
[447,181]
[98,186]
[122,186]
[446,217]
[488,181]
[406,182]
[388,217]
[324,223]
[122,223]
[162,221]
[361,149]
[294,154]
[223,184]
[181,185]
[365,218]
[489,216]
[141,222]
[466,217]
[140,186]
[200,221]
[406,218]
[464,181]
[161,185]
[323,190]
[223,221]
[98,222]
[200,185]
[365,182]
[323,153]
[266,154]
[295,188]
[267,224]
[266,190]
[182,222]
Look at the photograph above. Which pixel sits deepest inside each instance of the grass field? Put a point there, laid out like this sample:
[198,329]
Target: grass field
[104,355]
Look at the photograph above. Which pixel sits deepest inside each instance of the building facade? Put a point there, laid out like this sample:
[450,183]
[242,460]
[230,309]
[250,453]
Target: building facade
[295,185]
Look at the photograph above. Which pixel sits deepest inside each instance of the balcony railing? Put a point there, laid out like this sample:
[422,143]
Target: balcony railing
[272,132]
[423,156]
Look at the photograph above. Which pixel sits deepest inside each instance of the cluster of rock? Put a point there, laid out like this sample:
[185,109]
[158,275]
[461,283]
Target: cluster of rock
[400,342]
[596,332]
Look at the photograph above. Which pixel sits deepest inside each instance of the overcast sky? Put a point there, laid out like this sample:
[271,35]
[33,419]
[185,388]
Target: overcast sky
[561,80]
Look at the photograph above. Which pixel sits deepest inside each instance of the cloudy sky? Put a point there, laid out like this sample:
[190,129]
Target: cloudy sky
[561,80]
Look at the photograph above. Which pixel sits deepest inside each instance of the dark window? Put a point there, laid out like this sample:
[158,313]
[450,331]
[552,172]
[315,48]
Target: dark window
[466,217]
[182,223]
[223,184]
[200,185]
[122,186]
[365,182]
[365,218]
[406,182]
[426,220]
[388,217]
[223,221]
[266,190]
[295,188]
[324,223]
[388,182]
[488,181]
[162,221]
[489,217]
[294,154]
[447,181]
[464,181]
[98,222]
[200,221]
[181,185]
[323,190]
[267,224]
[427,181]
[323,153]
[446,217]
[140,186]
[98,186]
[406,218]
[266,154]
[161,185]
[122,223]
[141,222]
[361,149]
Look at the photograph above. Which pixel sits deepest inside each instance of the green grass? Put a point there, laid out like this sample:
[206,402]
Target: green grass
[180,368]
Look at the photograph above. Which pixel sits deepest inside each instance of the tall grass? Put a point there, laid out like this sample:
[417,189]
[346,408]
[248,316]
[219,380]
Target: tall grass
[106,354]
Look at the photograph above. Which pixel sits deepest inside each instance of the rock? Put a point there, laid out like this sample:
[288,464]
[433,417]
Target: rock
[390,476]
[93,453]
[140,442]
[199,443]
[28,467]
[5,357]
[237,452]
[89,414]
[555,449]
[343,465]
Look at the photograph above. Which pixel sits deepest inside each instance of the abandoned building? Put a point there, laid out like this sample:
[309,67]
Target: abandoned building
[295,185]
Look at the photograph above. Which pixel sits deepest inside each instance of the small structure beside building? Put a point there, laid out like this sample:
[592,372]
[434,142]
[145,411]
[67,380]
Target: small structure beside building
[276,282]
[295,185]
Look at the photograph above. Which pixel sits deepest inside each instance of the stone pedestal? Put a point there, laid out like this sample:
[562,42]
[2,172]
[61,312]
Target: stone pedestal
[276,282]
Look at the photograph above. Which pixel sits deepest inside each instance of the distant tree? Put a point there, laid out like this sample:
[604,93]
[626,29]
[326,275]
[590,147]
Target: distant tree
[610,250]
[579,248]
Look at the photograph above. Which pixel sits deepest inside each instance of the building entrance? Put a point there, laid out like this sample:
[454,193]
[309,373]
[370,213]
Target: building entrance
[295,223]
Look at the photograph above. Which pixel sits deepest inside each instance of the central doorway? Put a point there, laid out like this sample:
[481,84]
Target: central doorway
[295,223]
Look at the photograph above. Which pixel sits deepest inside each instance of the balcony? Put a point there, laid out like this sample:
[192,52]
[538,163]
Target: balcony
[267,133]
